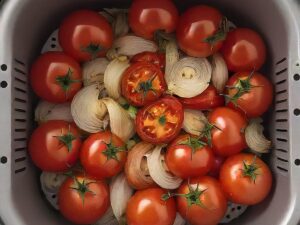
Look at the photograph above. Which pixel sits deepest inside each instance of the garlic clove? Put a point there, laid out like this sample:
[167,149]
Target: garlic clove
[179,220]
[172,56]
[255,138]
[194,121]
[108,218]
[219,76]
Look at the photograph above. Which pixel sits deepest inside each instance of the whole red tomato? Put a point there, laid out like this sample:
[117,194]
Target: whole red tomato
[187,157]
[201,31]
[157,59]
[244,50]
[55,77]
[160,121]
[226,131]
[83,200]
[250,92]
[142,83]
[201,201]
[208,99]
[245,179]
[148,17]
[147,207]
[85,35]
[103,155]
[54,146]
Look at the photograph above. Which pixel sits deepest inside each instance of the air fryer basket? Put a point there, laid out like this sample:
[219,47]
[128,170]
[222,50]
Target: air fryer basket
[24,27]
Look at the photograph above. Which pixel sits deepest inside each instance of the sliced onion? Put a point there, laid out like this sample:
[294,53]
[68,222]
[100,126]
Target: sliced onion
[194,121]
[108,218]
[51,182]
[255,138]
[179,220]
[49,111]
[113,75]
[189,77]
[120,192]
[219,76]
[157,170]
[131,45]
[88,110]
[136,169]
[93,71]
[121,123]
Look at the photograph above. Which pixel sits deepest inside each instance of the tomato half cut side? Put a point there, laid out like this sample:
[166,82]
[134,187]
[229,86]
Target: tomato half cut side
[160,121]
[142,83]
[158,59]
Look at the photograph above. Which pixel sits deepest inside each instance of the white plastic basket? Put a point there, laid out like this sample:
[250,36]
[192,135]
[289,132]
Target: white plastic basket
[25,26]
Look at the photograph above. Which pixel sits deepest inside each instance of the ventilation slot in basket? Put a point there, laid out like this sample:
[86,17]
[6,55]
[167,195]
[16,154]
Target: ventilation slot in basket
[281,140]
[20,116]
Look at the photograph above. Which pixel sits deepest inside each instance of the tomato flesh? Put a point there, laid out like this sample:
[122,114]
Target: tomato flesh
[157,59]
[160,121]
[142,83]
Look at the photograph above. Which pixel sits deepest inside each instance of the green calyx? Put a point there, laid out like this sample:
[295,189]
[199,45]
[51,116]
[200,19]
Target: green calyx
[207,130]
[66,80]
[67,139]
[112,151]
[162,120]
[93,49]
[242,86]
[192,198]
[250,170]
[147,86]
[82,188]
[194,143]
[220,35]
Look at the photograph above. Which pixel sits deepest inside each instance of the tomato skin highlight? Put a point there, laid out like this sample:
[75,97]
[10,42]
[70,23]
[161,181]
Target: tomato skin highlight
[244,50]
[142,83]
[85,35]
[94,160]
[195,25]
[46,69]
[95,204]
[213,198]
[158,59]
[255,102]
[146,207]
[228,138]
[147,17]
[184,163]
[240,189]
[208,99]
[48,152]
[161,121]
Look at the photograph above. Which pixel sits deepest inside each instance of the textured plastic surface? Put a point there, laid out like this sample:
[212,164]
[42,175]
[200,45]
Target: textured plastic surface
[26,24]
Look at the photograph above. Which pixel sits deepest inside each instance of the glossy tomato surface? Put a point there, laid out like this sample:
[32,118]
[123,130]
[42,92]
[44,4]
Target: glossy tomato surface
[157,59]
[160,121]
[55,77]
[85,35]
[187,157]
[227,135]
[147,17]
[244,50]
[54,146]
[245,179]
[208,99]
[142,83]
[147,207]
[83,200]
[205,204]
[251,93]
[216,167]
[103,155]
[198,32]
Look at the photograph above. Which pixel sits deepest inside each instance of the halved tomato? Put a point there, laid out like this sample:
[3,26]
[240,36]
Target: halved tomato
[160,121]
[142,83]
[208,99]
